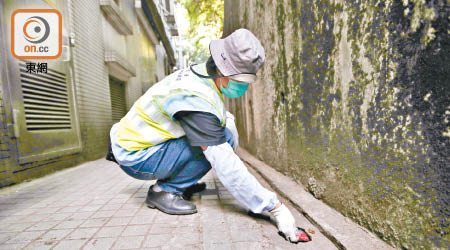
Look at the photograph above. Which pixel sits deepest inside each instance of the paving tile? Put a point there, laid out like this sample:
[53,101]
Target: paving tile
[120,221]
[134,205]
[210,197]
[6,236]
[217,246]
[136,230]
[225,195]
[145,211]
[162,228]
[141,220]
[117,201]
[247,245]
[106,210]
[210,185]
[25,237]
[70,244]
[110,207]
[216,236]
[99,201]
[191,218]
[60,203]
[57,217]
[103,214]
[211,203]
[180,229]
[69,224]
[80,202]
[99,244]
[179,246]
[36,217]
[214,224]
[230,201]
[157,240]
[26,211]
[80,215]
[139,197]
[165,219]
[248,236]
[7,211]
[90,208]
[125,212]
[70,209]
[129,242]
[13,246]
[82,233]
[45,225]
[109,232]
[12,218]
[183,239]
[94,222]
[54,235]
[47,210]
[125,196]
[41,245]
[15,227]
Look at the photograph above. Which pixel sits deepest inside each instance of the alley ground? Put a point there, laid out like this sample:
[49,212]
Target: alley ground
[97,206]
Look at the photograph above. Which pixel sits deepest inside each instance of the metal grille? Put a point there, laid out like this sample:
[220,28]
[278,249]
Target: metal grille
[46,101]
[118,107]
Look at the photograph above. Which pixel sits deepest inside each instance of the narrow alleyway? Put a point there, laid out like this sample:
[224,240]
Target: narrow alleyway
[97,206]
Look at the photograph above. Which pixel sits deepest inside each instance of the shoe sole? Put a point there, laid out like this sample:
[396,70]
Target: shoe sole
[168,211]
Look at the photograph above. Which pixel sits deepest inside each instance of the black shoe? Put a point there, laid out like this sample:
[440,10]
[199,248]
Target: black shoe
[198,187]
[169,203]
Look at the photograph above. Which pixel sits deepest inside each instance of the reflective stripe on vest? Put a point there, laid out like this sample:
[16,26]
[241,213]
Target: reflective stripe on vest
[148,124]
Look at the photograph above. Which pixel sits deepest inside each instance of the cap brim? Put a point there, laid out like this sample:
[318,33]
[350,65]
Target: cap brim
[248,78]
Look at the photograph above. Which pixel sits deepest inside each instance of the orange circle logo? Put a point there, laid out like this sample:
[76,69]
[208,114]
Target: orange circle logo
[36,29]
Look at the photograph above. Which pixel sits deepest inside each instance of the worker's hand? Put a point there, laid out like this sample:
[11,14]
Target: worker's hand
[231,125]
[285,222]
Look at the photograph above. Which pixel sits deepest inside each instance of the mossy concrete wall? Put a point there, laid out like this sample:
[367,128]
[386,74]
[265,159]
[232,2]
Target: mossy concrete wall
[354,102]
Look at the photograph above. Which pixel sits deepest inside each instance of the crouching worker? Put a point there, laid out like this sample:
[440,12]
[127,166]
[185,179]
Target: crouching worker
[179,129]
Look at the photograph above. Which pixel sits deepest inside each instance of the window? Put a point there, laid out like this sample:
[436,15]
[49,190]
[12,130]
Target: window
[118,103]
[168,5]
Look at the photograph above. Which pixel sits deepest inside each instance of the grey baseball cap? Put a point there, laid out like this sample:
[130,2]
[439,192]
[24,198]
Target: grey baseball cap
[238,54]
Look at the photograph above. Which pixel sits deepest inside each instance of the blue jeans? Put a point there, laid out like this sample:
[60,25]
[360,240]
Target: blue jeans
[176,165]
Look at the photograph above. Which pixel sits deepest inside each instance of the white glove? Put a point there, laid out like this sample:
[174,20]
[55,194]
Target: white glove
[231,125]
[285,222]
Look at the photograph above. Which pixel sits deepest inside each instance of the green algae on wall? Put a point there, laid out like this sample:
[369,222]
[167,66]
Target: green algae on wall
[354,99]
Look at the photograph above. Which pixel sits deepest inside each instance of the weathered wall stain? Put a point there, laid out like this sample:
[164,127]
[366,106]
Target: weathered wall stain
[355,94]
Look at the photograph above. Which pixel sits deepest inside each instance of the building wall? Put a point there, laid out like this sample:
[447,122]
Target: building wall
[134,84]
[11,172]
[5,156]
[146,61]
[354,102]
[140,53]
[90,78]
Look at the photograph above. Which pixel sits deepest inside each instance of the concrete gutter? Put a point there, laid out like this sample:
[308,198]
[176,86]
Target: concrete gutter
[342,231]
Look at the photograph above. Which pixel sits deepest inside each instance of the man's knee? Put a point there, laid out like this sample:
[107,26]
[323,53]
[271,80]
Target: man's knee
[186,152]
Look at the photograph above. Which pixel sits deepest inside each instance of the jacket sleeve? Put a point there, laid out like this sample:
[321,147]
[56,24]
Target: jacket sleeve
[233,174]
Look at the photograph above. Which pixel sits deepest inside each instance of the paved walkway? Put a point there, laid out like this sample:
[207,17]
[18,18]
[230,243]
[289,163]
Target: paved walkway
[97,206]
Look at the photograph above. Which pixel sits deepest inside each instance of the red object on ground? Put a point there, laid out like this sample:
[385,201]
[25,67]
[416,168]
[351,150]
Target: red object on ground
[302,235]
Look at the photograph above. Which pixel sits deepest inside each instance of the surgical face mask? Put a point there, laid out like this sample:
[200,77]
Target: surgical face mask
[234,89]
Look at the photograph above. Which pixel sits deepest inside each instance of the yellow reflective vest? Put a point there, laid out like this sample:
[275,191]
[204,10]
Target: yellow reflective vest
[150,120]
